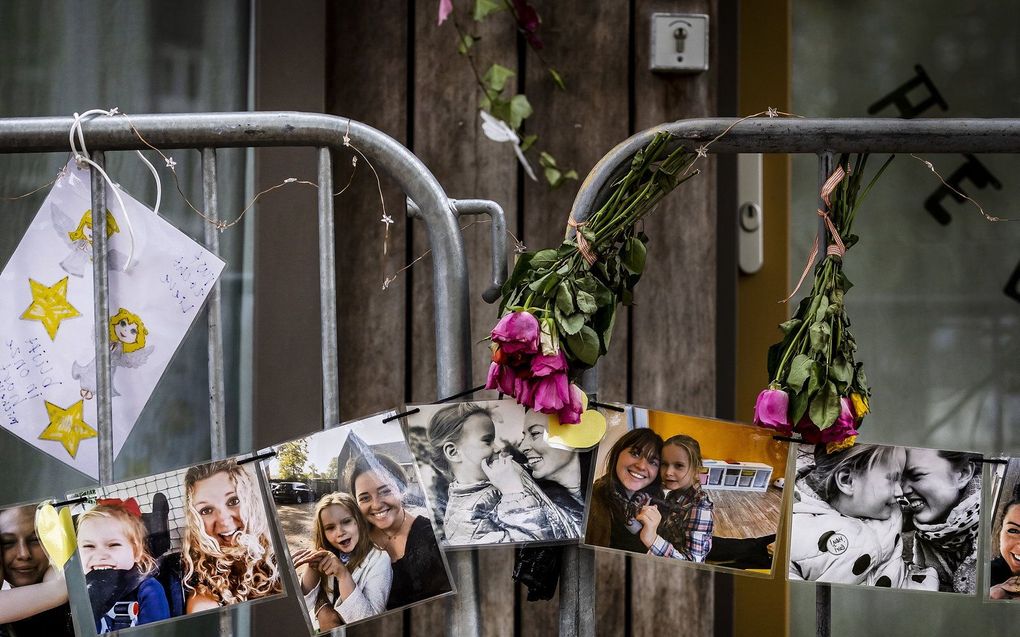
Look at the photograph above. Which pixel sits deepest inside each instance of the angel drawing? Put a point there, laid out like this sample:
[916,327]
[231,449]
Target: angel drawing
[78,239]
[127,349]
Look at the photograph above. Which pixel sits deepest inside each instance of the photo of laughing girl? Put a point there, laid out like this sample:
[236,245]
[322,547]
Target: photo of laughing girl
[631,477]
[345,577]
[491,498]
[228,553]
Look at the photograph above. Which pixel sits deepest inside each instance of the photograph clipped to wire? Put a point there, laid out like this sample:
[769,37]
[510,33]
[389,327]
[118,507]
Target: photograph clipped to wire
[357,523]
[885,516]
[33,592]
[695,491]
[493,476]
[1004,551]
[176,544]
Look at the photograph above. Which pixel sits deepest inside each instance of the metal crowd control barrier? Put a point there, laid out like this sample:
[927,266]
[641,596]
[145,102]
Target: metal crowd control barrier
[210,131]
[823,137]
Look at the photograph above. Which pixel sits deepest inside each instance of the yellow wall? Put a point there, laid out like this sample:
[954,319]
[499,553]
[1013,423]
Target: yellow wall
[721,440]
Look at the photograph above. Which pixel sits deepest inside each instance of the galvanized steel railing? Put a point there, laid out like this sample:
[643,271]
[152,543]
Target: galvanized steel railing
[210,131]
[823,137]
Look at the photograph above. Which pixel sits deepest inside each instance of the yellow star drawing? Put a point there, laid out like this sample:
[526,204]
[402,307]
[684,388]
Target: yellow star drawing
[49,305]
[67,427]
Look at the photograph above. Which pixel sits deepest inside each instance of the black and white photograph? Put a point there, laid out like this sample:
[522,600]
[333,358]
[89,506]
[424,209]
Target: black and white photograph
[1004,546]
[33,596]
[493,476]
[690,490]
[886,516]
[357,524]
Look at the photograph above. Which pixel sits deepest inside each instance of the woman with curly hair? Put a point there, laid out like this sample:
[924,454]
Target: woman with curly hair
[228,553]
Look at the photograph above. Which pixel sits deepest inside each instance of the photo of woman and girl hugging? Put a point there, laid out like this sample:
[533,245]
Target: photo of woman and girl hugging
[654,492]
[1004,569]
[893,517]
[493,475]
[368,547]
[33,598]
[212,549]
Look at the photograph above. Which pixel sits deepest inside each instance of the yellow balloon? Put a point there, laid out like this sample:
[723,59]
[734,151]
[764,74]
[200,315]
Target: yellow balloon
[56,532]
[583,435]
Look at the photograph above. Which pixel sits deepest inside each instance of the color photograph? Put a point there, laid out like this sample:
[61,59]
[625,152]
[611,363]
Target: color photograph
[33,596]
[357,523]
[493,476]
[892,517]
[1004,548]
[693,490]
[176,544]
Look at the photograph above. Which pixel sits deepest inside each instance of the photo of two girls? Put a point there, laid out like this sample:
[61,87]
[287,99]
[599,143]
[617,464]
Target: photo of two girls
[174,544]
[363,544]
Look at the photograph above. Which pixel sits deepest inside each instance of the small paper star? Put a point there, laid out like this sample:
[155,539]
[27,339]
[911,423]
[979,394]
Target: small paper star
[49,305]
[386,283]
[772,112]
[347,139]
[170,163]
[290,180]
[520,248]
[354,161]
[113,111]
[702,151]
[387,219]
[67,426]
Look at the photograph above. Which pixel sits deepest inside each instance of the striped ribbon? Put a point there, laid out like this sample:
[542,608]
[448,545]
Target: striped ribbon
[836,248]
[582,243]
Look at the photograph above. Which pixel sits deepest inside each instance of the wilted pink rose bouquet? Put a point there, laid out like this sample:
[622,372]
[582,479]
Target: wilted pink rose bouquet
[559,305]
[817,388]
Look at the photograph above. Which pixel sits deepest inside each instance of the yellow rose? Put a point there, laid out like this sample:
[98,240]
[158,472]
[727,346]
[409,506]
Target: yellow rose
[860,403]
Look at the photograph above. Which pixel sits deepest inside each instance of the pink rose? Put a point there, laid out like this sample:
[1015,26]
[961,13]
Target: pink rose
[843,428]
[770,410]
[517,333]
[501,377]
[570,414]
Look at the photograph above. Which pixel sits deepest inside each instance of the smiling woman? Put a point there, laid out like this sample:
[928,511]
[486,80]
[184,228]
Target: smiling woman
[228,553]
[34,598]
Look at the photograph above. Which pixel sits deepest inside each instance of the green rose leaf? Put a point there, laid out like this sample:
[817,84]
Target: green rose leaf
[584,345]
[824,408]
[496,77]
[823,307]
[840,370]
[800,370]
[569,323]
[464,43]
[528,142]
[587,283]
[543,259]
[485,7]
[798,405]
[790,326]
[633,254]
[605,321]
[520,110]
[585,302]
[819,334]
[564,299]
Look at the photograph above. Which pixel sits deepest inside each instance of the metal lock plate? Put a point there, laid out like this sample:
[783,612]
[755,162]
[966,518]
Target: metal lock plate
[679,42]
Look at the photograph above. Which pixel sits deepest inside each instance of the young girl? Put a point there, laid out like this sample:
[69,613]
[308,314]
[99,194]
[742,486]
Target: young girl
[228,554]
[632,469]
[118,568]
[685,533]
[346,578]
[491,498]
[847,521]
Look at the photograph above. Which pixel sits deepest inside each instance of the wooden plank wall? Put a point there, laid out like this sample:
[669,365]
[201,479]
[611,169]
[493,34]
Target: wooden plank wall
[390,66]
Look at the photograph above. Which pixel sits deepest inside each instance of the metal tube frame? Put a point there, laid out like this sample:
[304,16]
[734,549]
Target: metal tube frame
[823,137]
[210,131]
[207,131]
